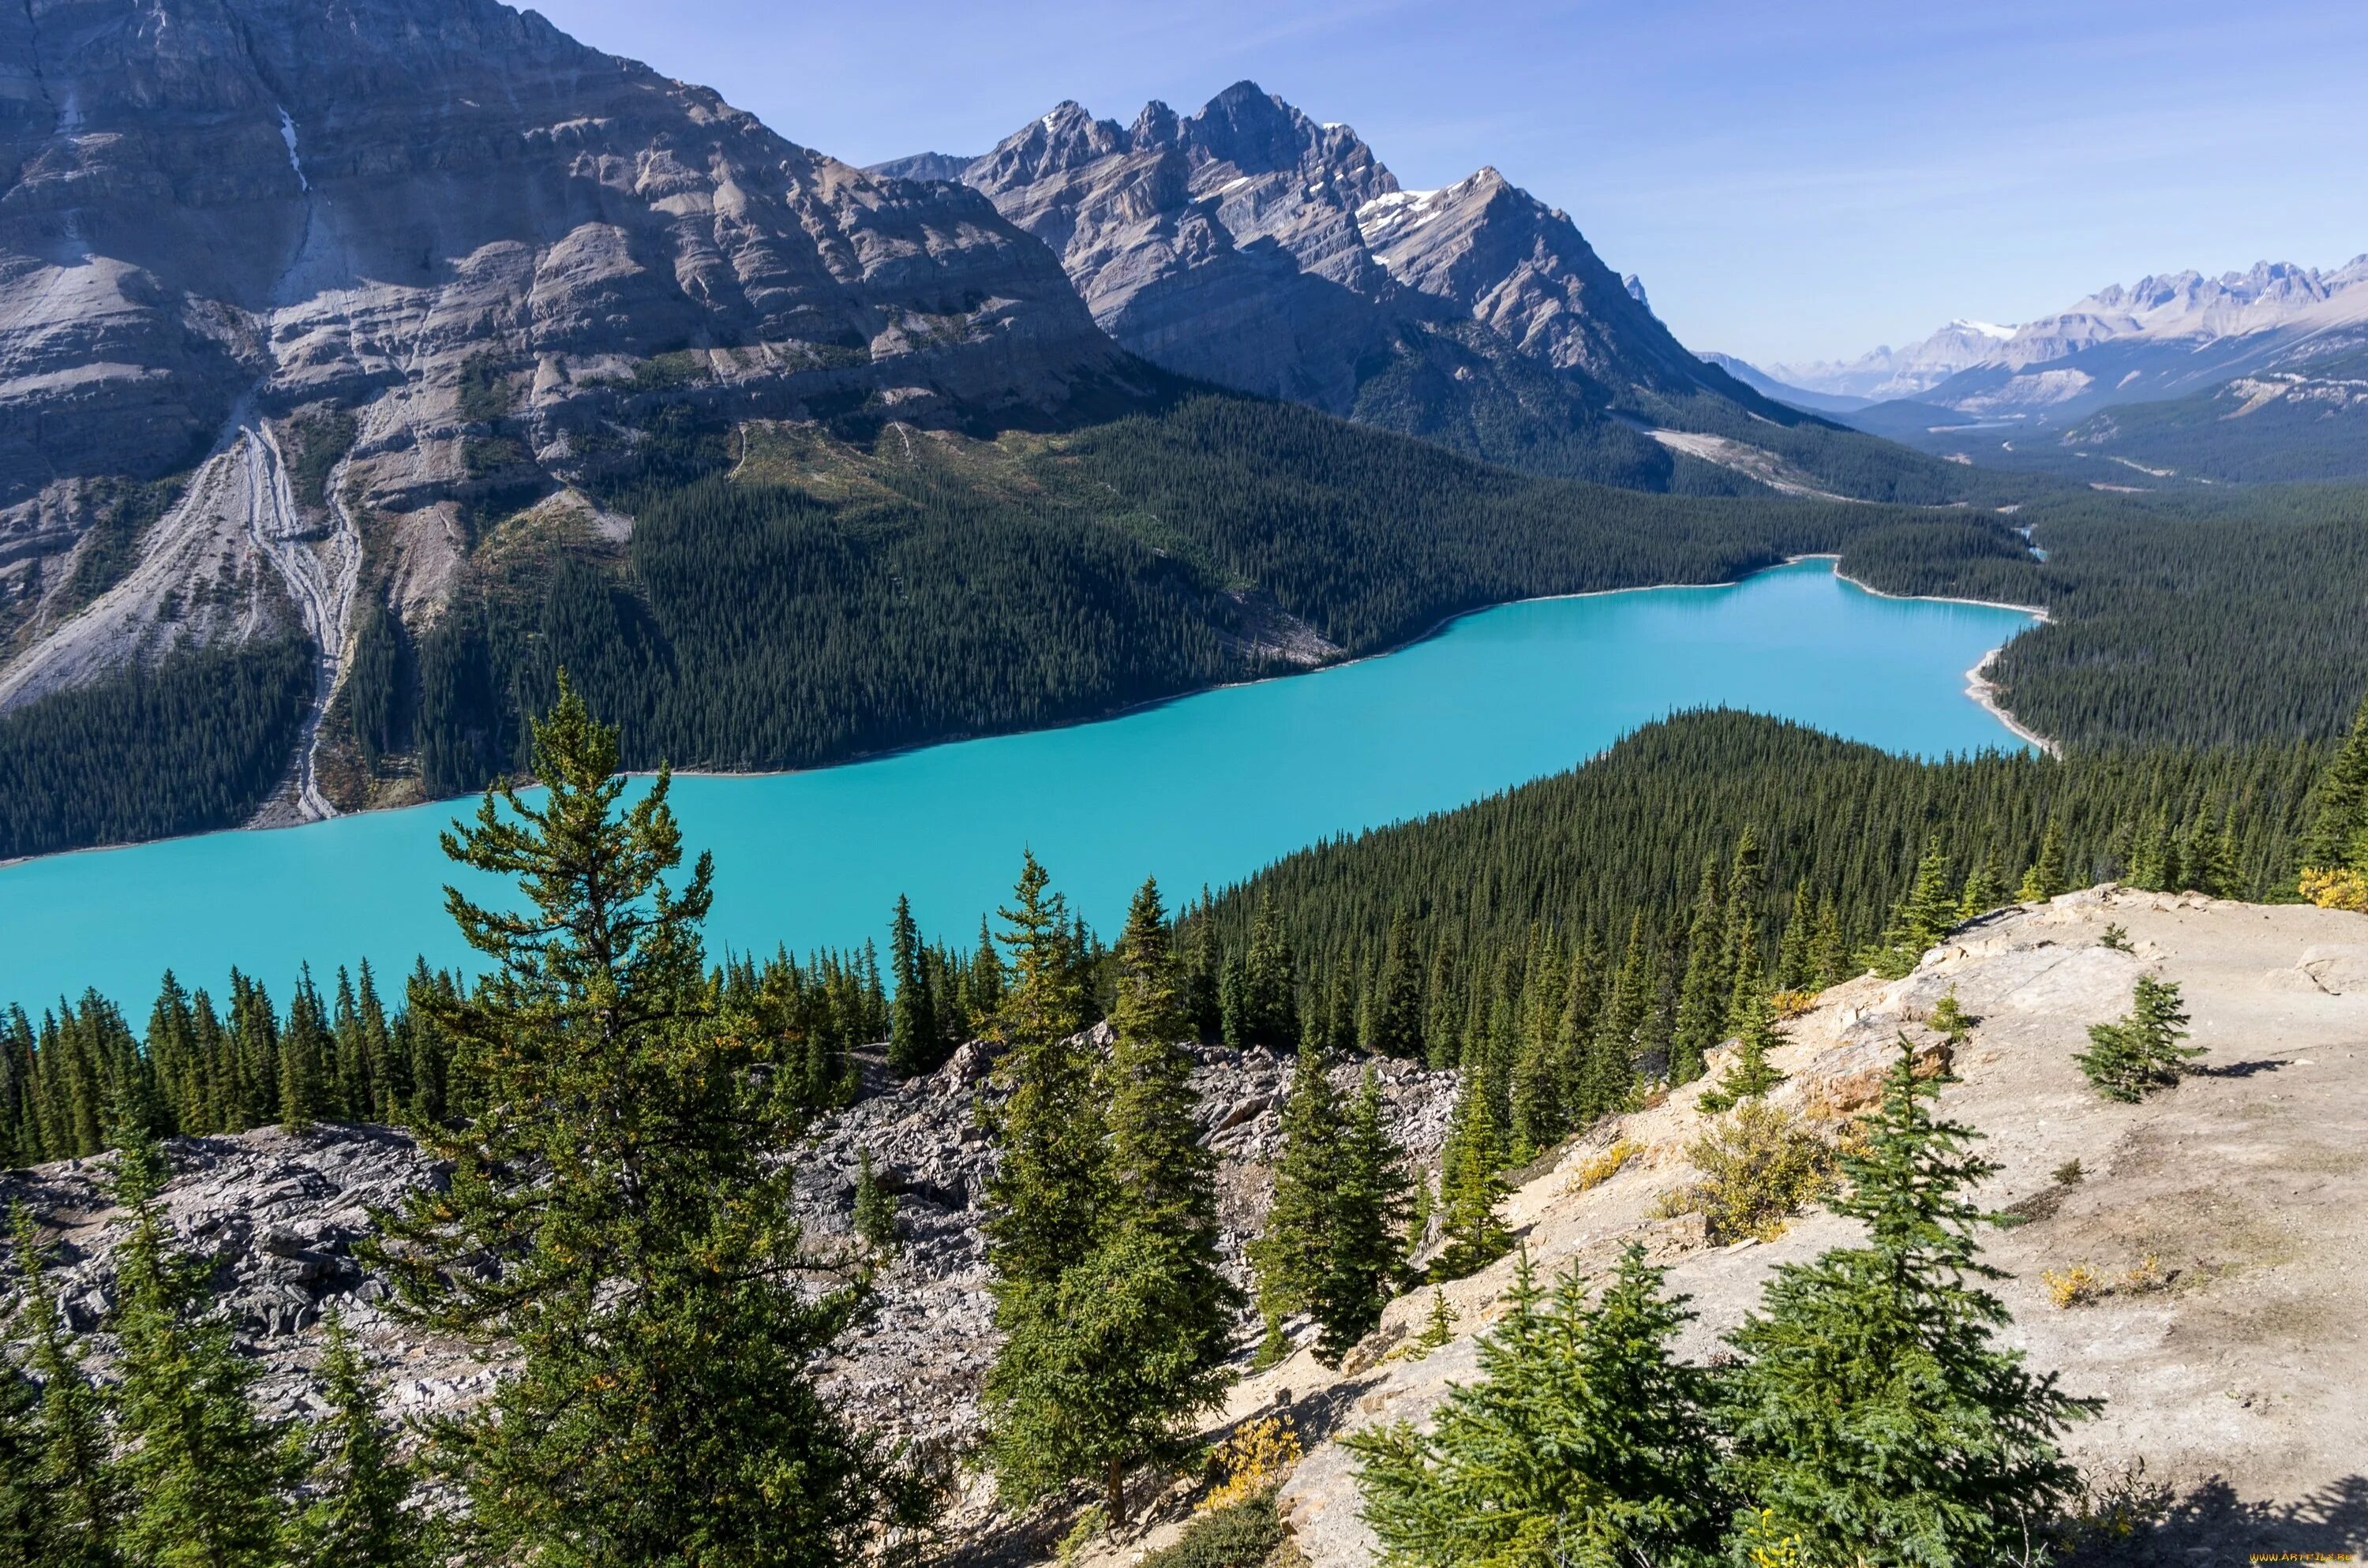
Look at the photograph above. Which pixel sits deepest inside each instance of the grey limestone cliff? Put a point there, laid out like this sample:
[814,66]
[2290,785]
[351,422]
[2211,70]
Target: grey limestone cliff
[222,219]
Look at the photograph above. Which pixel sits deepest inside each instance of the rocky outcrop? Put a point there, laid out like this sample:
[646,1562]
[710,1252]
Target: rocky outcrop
[276,1216]
[221,217]
[2223,1222]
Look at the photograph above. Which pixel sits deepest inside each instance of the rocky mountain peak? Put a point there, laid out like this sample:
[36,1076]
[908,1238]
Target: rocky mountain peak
[1250,244]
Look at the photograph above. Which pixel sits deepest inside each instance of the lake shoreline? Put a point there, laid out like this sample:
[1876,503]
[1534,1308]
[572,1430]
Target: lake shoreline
[1978,684]
[1977,687]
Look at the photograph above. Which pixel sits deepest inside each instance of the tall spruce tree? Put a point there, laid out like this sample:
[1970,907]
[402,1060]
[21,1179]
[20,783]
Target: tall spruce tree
[1050,1188]
[1795,963]
[1923,915]
[1872,1413]
[2335,848]
[1293,1251]
[202,1473]
[2045,879]
[358,1487]
[1539,1088]
[1583,1442]
[1364,1262]
[26,1531]
[915,1043]
[618,1146]
[1398,1002]
[1702,991]
[1746,885]
[1471,1189]
[1105,1365]
[76,1501]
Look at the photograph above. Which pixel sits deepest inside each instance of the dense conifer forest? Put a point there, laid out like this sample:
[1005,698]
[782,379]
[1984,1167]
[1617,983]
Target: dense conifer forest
[2198,619]
[1420,938]
[197,742]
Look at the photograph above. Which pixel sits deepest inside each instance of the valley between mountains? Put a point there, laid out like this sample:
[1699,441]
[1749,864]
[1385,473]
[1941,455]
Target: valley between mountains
[1648,1080]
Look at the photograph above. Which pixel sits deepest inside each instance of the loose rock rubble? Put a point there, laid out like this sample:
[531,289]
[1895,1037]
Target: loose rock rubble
[278,1214]
[912,1368]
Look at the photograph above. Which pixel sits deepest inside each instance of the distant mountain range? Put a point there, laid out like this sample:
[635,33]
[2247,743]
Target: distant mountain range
[2158,337]
[2248,375]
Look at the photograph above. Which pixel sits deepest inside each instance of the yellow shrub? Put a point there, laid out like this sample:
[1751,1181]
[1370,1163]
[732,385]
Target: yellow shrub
[2067,1288]
[1757,1167]
[2336,889]
[2147,1276]
[1765,1547]
[1252,1459]
[1790,1004]
[1604,1167]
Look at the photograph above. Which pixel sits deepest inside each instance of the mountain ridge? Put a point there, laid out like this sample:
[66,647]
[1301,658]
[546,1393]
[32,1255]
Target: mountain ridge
[1251,246]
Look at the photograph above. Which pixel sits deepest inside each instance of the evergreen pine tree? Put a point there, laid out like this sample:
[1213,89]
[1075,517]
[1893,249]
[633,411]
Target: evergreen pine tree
[1795,960]
[1470,1190]
[2337,838]
[201,1472]
[304,1053]
[1539,1087]
[875,1208]
[1365,1260]
[1445,1002]
[1921,919]
[1130,1342]
[1982,891]
[1398,1003]
[1266,1006]
[2045,880]
[620,1148]
[390,1084]
[1828,954]
[1585,1442]
[914,1046]
[172,1050]
[355,1517]
[984,982]
[26,1531]
[1581,997]
[77,1502]
[351,1096]
[1746,886]
[1750,1074]
[1702,993]
[1206,961]
[1872,1414]
[1293,1249]
[1050,1188]
[2138,1053]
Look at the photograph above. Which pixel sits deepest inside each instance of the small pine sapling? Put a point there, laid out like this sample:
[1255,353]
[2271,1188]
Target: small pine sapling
[875,1209]
[2140,1053]
[1750,1074]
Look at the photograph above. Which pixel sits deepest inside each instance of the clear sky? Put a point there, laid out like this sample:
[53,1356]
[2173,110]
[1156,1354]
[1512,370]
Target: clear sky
[1797,180]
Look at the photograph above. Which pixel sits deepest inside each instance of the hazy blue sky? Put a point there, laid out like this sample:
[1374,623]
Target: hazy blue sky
[1792,181]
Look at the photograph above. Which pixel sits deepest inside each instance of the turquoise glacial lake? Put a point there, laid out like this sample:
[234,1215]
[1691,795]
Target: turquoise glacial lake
[1203,789]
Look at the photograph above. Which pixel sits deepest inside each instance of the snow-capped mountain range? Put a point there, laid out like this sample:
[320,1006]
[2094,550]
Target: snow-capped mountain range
[2161,337]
